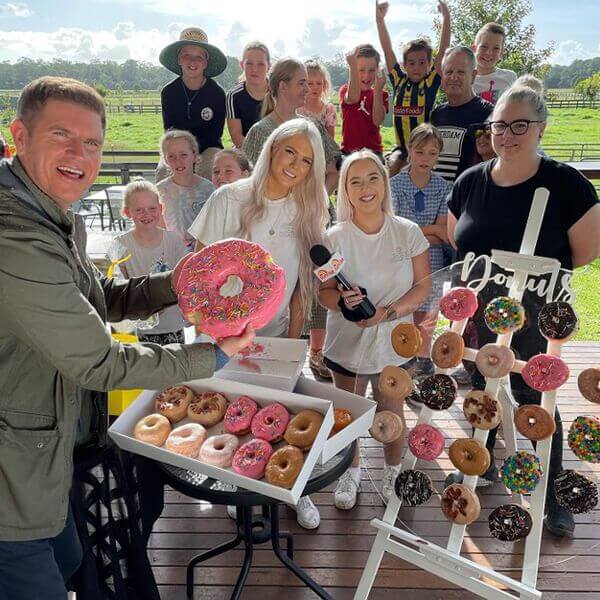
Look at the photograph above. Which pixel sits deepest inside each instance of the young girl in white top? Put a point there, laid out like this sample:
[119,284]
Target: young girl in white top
[283,207]
[316,104]
[183,193]
[152,250]
[388,256]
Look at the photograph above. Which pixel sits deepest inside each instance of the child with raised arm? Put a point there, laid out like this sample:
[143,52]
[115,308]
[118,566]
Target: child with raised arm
[491,81]
[364,102]
[415,83]
[317,103]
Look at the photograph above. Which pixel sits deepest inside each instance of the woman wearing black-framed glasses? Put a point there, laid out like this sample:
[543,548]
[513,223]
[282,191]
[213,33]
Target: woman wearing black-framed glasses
[488,209]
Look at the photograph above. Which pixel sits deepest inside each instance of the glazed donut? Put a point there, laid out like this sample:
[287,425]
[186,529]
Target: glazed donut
[460,504]
[482,410]
[534,422]
[448,350]
[186,439]
[153,429]
[303,429]
[558,321]
[458,304]
[284,466]
[521,472]
[504,314]
[413,487]
[469,456]
[575,492]
[510,523]
[406,339]
[584,439]
[229,284]
[438,392]
[269,423]
[588,383]
[239,415]
[173,402]
[387,427]
[218,450]
[207,408]
[341,418]
[494,361]
[395,383]
[545,372]
[250,459]
[425,441]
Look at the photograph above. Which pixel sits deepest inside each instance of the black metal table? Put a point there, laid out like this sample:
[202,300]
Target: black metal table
[253,529]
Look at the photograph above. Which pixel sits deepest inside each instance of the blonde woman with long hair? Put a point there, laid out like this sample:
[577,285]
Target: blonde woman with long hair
[286,93]
[388,256]
[283,207]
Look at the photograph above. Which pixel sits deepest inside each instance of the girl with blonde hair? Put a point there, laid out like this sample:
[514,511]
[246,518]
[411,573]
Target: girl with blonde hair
[387,256]
[283,207]
[317,105]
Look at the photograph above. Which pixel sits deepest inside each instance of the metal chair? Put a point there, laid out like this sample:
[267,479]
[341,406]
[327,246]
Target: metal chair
[113,202]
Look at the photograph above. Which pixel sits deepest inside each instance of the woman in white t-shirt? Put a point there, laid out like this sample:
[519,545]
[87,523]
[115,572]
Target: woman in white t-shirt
[283,207]
[388,256]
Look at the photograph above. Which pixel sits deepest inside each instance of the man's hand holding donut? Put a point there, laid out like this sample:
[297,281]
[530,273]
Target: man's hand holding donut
[233,345]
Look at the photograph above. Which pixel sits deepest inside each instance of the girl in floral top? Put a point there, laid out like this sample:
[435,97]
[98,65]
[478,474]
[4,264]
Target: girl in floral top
[319,89]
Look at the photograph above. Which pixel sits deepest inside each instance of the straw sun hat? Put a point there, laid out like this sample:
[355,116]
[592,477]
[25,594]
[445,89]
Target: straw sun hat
[196,37]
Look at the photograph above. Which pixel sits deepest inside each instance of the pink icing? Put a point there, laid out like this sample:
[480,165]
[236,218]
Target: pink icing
[270,422]
[239,414]
[545,372]
[251,459]
[426,442]
[203,274]
[458,304]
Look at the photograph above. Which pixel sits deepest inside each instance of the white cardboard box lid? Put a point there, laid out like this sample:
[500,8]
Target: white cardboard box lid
[362,410]
[121,432]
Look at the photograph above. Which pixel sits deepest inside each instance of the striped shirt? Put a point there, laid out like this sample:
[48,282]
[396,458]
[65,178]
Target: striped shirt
[413,102]
[239,104]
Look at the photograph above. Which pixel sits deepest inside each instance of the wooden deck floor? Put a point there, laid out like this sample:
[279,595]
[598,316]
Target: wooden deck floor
[336,552]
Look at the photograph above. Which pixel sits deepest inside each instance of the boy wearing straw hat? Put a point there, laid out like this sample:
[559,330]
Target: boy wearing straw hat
[195,102]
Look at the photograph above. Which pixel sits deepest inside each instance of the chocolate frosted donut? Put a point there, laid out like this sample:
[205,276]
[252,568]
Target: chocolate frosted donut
[413,487]
[482,410]
[510,523]
[448,350]
[575,492]
[395,383]
[558,321]
[438,392]
[460,504]
[534,422]
[588,383]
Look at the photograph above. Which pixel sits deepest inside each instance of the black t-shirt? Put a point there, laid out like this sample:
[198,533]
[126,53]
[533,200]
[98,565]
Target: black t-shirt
[493,217]
[241,105]
[457,125]
[207,111]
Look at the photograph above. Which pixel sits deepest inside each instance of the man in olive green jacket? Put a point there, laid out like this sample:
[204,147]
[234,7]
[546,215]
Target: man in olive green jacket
[54,344]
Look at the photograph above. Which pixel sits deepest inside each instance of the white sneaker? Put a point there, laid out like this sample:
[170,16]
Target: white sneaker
[307,514]
[232,511]
[346,491]
[390,472]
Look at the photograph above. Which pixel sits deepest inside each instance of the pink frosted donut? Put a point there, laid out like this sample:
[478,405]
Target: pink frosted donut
[251,459]
[270,422]
[425,441]
[186,439]
[458,304]
[229,284]
[218,450]
[545,372]
[239,415]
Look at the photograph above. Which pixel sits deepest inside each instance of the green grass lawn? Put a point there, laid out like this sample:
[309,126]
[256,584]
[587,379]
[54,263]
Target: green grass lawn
[586,283]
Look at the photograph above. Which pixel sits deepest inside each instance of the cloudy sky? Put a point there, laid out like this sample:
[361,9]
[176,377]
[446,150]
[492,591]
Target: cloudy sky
[138,29]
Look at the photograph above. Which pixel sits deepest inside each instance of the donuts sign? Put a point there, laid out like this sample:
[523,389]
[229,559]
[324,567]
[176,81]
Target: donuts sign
[330,269]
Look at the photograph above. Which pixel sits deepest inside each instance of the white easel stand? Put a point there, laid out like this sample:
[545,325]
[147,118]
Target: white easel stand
[447,562]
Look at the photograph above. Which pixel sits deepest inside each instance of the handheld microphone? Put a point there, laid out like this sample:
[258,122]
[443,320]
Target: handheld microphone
[321,257]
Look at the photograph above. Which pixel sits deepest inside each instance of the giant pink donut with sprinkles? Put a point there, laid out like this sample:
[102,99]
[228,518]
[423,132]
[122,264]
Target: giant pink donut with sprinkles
[229,284]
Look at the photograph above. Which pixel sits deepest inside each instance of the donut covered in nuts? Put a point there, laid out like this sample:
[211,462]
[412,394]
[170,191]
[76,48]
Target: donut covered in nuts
[482,410]
[460,504]
[173,402]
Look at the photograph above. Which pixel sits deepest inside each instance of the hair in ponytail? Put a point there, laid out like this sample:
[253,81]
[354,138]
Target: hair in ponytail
[282,70]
